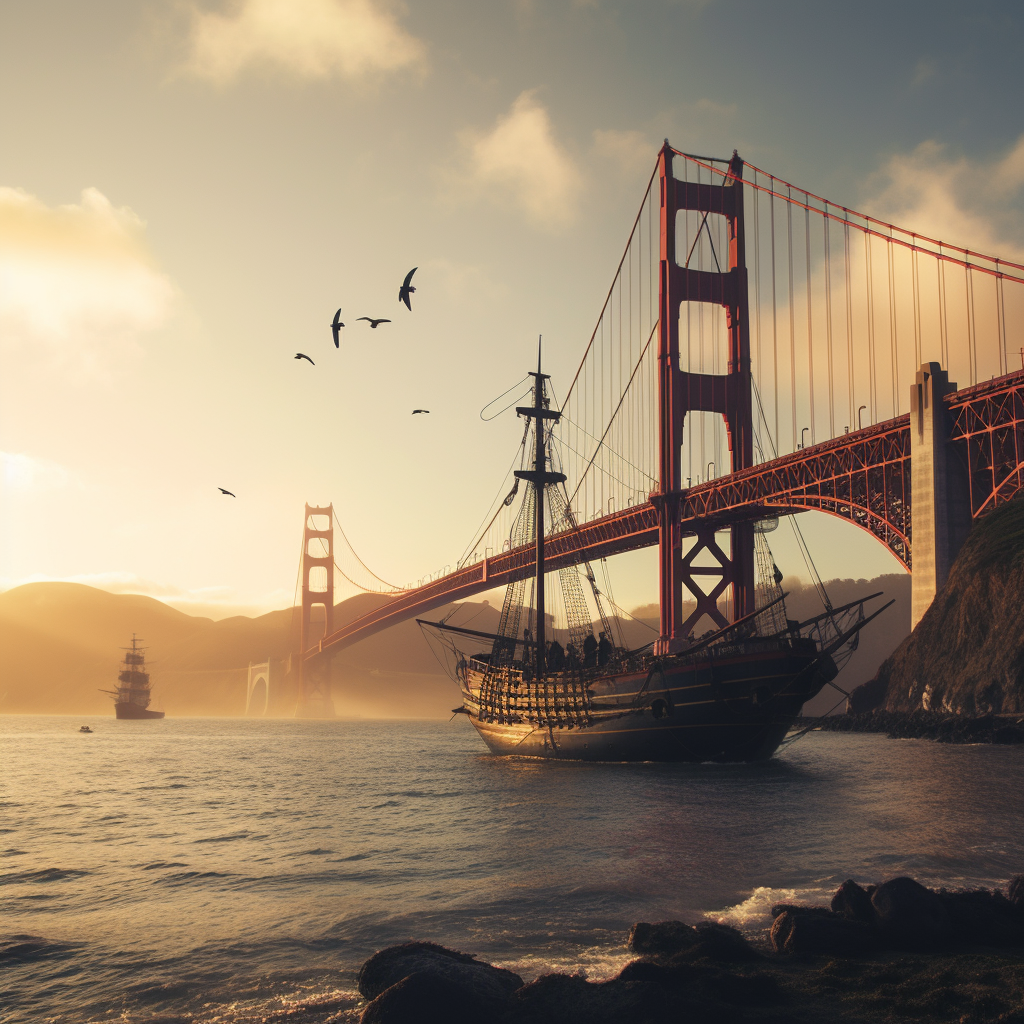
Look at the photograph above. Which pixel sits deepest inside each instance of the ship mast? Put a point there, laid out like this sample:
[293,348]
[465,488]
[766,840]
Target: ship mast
[540,478]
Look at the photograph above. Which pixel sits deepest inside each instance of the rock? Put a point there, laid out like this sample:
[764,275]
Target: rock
[853,903]
[719,942]
[983,918]
[797,908]
[817,930]
[663,937]
[1015,891]
[424,998]
[910,916]
[570,999]
[485,983]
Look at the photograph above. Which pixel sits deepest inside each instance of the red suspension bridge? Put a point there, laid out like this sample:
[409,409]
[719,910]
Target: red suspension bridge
[749,328]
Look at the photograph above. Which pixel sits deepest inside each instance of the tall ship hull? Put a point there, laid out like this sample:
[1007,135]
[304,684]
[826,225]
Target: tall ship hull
[126,709]
[729,704]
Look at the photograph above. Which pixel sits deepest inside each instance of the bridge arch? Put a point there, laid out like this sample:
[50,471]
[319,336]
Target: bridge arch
[257,690]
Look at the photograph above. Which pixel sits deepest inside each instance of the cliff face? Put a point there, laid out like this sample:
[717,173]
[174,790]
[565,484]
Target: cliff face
[967,654]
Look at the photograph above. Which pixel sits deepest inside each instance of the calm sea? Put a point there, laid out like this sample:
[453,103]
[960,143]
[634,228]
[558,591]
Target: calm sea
[224,870]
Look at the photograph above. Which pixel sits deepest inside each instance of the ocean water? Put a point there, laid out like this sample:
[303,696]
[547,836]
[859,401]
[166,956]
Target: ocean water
[228,870]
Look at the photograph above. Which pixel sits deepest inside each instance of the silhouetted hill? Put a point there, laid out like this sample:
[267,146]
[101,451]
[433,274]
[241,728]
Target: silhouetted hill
[61,645]
[966,655]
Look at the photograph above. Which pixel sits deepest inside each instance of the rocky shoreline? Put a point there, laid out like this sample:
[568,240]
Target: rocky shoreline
[877,953]
[926,725]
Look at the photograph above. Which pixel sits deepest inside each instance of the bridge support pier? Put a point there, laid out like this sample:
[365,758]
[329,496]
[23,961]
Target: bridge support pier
[317,591]
[940,508]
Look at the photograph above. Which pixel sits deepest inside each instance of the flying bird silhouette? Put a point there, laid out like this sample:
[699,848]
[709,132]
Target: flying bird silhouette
[373,323]
[336,326]
[228,493]
[415,411]
[302,355]
[405,292]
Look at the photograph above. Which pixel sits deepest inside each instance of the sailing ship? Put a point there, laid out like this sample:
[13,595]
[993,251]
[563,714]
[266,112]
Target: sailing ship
[731,695]
[132,696]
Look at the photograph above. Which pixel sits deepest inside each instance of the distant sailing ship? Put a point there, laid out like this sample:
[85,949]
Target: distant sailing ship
[731,695]
[132,696]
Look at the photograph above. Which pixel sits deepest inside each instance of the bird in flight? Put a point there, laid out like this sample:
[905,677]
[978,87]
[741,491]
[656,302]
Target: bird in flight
[336,326]
[302,355]
[228,493]
[373,323]
[415,411]
[405,292]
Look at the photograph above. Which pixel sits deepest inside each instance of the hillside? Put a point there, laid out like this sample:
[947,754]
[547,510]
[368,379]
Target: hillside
[967,653]
[61,645]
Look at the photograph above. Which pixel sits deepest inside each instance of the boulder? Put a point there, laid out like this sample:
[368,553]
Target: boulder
[665,937]
[853,903]
[983,918]
[719,942]
[1015,892]
[797,908]
[424,998]
[910,916]
[819,931]
[570,999]
[481,984]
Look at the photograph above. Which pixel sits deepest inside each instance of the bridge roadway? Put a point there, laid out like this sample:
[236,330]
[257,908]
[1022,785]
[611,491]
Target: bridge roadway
[863,477]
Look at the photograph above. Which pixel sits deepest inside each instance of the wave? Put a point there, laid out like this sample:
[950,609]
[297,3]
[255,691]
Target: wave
[32,948]
[158,864]
[42,875]
[224,839]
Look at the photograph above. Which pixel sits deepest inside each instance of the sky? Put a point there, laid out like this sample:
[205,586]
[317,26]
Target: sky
[188,191]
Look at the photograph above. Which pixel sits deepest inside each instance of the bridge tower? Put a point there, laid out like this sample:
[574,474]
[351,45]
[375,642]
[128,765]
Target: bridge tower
[681,392]
[317,591]
[940,497]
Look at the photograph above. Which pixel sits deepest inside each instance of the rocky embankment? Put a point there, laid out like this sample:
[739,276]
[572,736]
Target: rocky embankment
[928,725]
[966,655]
[878,953]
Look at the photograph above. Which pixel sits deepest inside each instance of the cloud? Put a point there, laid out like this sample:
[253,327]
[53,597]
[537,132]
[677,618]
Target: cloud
[77,280]
[310,39]
[20,474]
[975,204]
[520,157]
[629,153]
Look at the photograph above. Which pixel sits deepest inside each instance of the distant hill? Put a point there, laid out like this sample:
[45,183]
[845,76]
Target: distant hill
[61,645]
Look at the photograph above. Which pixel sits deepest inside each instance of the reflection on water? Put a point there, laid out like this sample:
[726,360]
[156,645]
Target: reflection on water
[233,868]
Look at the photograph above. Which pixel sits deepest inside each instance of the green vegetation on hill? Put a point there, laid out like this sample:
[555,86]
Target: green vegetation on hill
[966,655]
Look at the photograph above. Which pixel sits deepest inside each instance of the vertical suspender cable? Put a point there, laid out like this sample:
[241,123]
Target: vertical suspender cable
[1001,322]
[775,320]
[943,317]
[894,350]
[810,328]
[828,322]
[872,356]
[972,340]
[849,319]
[792,316]
[916,275]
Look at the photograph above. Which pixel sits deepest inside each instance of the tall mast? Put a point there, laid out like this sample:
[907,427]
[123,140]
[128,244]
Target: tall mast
[540,478]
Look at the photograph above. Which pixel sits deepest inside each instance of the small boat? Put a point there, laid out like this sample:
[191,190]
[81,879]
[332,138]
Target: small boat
[85,728]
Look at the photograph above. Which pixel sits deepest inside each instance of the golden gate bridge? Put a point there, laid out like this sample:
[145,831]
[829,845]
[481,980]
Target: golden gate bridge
[750,330]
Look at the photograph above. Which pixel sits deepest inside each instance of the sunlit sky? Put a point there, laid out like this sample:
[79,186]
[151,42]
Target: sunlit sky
[189,190]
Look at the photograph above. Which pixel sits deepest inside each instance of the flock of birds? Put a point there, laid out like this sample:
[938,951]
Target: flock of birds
[404,295]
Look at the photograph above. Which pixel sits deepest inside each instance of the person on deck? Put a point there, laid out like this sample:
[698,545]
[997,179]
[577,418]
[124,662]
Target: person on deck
[604,649]
[556,657]
[589,651]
